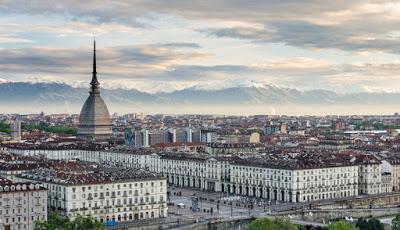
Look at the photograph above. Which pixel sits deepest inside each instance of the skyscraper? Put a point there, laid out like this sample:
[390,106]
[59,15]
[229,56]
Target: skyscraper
[94,119]
[16,130]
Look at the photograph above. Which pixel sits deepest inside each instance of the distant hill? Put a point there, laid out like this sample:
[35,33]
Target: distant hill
[57,94]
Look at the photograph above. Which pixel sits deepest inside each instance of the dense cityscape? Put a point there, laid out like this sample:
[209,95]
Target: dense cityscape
[199,115]
[177,171]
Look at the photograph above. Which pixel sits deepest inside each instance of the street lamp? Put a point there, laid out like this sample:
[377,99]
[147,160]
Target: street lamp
[231,208]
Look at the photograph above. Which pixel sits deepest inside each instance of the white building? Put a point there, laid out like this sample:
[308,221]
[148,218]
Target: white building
[291,179]
[16,130]
[21,204]
[106,194]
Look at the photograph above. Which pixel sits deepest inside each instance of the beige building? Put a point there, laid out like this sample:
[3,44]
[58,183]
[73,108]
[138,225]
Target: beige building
[290,181]
[346,174]
[255,137]
[107,194]
[21,204]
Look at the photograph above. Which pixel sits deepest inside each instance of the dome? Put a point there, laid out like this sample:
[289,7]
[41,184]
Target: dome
[94,119]
[94,112]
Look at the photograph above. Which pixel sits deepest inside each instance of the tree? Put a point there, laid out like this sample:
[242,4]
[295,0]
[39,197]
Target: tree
[396,222]
[284,224]
[261,223]
[267,224]
[374,224]
[56,222]
[362,223]
[301,227]
[84,222]
[341,225]
[371,224]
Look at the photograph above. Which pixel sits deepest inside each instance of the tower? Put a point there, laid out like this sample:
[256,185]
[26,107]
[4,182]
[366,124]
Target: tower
[16,130]
[94,119]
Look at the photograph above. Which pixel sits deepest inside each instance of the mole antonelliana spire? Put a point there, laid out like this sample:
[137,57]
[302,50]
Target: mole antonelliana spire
[94,119]
[94,83]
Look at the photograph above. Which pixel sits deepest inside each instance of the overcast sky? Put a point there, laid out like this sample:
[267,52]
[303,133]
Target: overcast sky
[160,45]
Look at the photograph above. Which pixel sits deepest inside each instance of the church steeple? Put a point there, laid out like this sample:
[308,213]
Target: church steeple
[94,83]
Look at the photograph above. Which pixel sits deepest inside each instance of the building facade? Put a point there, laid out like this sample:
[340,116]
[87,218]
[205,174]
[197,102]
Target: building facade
[283,178]
[21,205]
[114,194]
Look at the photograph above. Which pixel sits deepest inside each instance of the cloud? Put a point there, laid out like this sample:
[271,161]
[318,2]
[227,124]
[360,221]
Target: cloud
[307,35]
[13,39]
[347,25]
[170,53]
[181,45]
[154,68]
[142,61]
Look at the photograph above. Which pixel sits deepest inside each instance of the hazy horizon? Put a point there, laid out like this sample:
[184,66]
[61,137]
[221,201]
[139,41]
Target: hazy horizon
[163,46]
[295,110]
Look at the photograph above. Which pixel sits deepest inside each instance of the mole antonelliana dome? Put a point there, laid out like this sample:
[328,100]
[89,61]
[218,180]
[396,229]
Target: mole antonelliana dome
[94,119]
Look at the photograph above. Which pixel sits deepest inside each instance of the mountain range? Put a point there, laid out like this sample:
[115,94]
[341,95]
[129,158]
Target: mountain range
[56,94]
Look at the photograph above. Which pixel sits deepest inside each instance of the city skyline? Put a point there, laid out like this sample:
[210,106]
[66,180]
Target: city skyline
[199,114]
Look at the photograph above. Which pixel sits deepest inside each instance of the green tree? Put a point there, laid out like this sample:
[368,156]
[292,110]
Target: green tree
[5,128]
[267,224]
[371,224]
[61,129]
[396,222]
[301,227]
[84,222]
[362,224]
[284,224]
[374,224]
[341,225]
[261,223]
[56,222]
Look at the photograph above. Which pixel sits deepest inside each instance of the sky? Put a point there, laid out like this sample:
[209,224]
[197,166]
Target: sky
[153,46]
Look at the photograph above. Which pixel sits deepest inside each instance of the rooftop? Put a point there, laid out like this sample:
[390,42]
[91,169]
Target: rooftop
[99,175]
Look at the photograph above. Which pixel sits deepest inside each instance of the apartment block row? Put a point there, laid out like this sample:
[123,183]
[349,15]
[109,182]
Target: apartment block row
[282,177]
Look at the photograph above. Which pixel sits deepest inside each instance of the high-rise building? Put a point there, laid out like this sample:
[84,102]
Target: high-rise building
[136,138]
[208,136]
[180,135]
[158,137]
[94,119]
[16,130]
